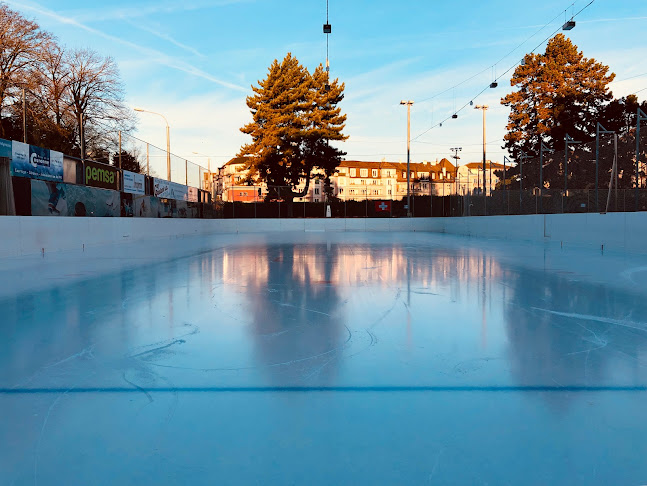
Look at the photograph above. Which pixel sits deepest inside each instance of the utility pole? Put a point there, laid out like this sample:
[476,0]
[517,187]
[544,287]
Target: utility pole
[82,137]
[408,104]
[456,158]
[24,116]
[484,108]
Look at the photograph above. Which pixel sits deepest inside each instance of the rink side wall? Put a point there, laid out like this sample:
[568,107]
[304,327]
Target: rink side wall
[26,235]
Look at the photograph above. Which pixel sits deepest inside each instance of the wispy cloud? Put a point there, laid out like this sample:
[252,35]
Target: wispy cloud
[146,10]
[159,57]
[157,32]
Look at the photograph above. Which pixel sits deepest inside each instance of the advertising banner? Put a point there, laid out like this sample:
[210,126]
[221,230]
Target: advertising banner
[5,148]
[193,194]
[49,198]
[36,162]
[134,183]
[170,190]
[101,175]
[147,207]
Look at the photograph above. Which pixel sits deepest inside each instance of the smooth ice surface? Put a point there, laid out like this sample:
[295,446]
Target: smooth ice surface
[324,359]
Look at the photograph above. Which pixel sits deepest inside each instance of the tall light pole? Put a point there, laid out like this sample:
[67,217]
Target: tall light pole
[408,104]
[168,140]
[456,158]
[484,109]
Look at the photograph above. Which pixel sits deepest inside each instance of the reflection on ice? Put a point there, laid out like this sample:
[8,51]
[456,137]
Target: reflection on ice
[414,312]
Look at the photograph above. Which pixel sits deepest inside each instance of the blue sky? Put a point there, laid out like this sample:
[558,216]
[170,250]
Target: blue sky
[194,61]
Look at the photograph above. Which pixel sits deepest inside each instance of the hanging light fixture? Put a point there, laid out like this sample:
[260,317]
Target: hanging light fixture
[569,25]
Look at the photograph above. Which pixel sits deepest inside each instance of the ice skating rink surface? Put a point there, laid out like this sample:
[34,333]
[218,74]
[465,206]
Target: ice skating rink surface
[324,358]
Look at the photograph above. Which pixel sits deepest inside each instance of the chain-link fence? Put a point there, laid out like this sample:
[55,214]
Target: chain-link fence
[157,162]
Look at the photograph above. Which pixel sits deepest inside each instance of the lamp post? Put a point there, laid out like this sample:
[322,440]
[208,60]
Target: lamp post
[456,158]
[408,105]
[168,140]
[484,108]
[208,162]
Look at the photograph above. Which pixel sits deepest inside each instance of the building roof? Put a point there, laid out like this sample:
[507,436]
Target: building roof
[237,161]
[488,165]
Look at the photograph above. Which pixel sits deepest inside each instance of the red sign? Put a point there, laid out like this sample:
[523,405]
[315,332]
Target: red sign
[382,206]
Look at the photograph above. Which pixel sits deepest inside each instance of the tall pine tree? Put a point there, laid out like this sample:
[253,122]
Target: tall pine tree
[295,116]
[559,92]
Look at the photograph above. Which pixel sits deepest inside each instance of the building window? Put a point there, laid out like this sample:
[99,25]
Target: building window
[424,186]
[374,172]
[375,182]
[433,175]
[342,181]
[341,190]
[363,182]
[388,182]
[316,200]
[390,192]
[413,175]
[316,190]
[363,172]
[404,175]
[353,172]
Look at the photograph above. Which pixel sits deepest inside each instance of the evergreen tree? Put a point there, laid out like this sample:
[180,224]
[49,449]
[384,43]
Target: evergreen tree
[559,92]
[295,116]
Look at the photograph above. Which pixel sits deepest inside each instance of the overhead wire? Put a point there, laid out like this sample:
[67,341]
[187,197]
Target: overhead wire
[503,74]
[492,66]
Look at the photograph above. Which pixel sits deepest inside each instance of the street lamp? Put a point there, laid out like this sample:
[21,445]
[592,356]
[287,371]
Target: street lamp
[168,140]
[408,105]
[484,109]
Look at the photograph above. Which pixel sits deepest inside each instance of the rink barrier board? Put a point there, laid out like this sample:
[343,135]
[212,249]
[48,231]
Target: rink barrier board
[608,232]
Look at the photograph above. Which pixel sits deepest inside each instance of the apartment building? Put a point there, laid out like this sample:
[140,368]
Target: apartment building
[470,177]
[360,180]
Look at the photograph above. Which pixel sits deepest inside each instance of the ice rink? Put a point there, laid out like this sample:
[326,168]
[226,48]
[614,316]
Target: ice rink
[322,359]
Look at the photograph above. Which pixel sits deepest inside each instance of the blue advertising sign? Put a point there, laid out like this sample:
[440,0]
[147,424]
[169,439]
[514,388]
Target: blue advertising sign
[35,162]
[5,148]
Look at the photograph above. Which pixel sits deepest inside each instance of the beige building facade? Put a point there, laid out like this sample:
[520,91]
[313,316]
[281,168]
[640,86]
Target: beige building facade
[360,180]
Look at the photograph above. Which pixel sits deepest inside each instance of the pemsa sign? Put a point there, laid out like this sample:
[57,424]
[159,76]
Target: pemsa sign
[32,161]
[101,175]
[134,183]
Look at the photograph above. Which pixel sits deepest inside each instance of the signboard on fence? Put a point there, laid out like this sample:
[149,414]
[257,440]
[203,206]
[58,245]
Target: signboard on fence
[5,148]
[193,194]
[170,190]
[50,198]
[382,206]
[101,175]
[34,162]
[134,183]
